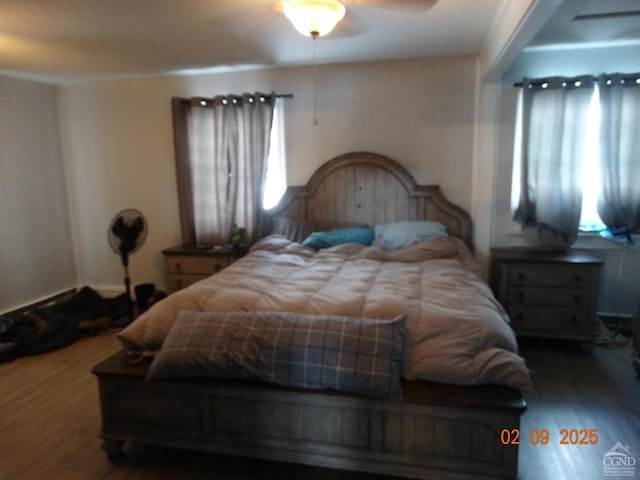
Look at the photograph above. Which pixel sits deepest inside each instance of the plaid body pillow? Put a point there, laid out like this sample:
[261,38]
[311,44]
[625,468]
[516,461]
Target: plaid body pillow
[357,355]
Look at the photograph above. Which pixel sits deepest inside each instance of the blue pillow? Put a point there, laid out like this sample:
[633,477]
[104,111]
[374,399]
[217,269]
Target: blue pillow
[402,234]
[318,240]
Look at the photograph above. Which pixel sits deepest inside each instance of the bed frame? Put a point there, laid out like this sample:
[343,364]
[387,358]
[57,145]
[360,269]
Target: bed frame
[438,431]
[369,189]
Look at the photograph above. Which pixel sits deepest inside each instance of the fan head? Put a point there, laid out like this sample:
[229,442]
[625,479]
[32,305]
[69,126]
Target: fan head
[127,231]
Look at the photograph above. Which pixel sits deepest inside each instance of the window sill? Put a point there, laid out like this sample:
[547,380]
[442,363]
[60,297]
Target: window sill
[586,241]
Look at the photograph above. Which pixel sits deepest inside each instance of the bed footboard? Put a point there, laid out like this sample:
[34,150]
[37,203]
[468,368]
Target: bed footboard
[438,431]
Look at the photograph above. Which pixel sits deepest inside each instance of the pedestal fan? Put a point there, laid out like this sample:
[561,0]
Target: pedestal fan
[127,232]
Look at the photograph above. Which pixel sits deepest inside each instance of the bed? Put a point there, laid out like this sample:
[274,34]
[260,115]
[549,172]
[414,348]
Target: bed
[447,385]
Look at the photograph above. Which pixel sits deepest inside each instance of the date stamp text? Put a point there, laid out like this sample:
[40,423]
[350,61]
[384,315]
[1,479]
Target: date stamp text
[542,436]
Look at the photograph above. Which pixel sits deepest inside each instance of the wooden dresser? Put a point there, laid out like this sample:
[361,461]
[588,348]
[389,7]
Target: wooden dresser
[548,294]
[186,264]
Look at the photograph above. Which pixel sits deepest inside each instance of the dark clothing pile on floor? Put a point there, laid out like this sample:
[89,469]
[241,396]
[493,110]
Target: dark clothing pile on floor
[50,328]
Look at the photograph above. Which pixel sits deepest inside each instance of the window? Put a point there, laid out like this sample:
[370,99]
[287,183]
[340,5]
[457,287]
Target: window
[590,179]
[588,173]
[575,154]
[223,155]
[276,182]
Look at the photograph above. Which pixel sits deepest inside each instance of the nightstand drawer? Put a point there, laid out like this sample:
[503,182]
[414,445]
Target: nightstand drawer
[541,319]
[570,297]
[547,294]
[193,264]
[550,275]
[177,281]
[186,264]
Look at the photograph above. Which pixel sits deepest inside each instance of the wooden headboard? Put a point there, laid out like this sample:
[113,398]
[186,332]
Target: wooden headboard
[367,188]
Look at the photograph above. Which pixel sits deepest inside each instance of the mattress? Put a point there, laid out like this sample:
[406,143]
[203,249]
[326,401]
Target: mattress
[457,332]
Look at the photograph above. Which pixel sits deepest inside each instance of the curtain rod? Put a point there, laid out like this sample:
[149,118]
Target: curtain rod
[278,95]
[539,81]
[594,78]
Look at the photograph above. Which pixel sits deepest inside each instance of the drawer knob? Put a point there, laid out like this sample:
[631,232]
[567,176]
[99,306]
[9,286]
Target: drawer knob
[178,267]
[577,298]
[520,296]
[519,318]
[522,277]
[178,283]
[574,320]
[217,268]
[577,279]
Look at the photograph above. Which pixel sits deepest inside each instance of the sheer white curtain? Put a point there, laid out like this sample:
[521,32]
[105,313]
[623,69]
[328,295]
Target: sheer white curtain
[222,146]
[553,130]
[619,205]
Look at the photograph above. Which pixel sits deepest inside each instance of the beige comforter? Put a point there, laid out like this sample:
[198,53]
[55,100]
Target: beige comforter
[458,332]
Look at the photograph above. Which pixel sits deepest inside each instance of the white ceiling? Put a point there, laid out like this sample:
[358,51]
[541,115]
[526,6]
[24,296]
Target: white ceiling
[70,41]
[583,37]
[591,22]
[63,41]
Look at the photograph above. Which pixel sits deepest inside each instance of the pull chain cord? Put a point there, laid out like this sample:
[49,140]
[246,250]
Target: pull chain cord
[314,36]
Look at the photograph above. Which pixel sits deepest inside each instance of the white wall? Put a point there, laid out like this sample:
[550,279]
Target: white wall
[36,255]
[483,171]
[118,141]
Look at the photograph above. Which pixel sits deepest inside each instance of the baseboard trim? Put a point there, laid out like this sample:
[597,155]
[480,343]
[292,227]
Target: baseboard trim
[618,322]
[41,302]
[615,315]
[109,291]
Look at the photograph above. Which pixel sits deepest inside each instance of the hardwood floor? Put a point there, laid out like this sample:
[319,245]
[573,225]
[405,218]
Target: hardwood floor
[579,391]
[50,421]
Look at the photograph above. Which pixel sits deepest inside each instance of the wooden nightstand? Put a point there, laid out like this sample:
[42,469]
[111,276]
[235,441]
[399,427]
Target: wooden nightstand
[548,294]
[186,264]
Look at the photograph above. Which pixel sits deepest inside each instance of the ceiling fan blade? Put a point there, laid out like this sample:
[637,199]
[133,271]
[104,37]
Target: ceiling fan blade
[399,5]
[256,18]
[347,27]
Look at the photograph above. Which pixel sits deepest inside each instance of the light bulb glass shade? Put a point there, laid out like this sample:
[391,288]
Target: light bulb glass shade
[311,17]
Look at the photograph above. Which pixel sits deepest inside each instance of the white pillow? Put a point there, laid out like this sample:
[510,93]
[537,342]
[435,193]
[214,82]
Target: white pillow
[402,234]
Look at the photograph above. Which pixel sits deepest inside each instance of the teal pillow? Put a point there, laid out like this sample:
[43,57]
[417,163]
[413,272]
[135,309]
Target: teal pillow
[318,240]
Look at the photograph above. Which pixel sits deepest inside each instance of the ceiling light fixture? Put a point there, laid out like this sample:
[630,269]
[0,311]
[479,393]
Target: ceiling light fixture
[314,18]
